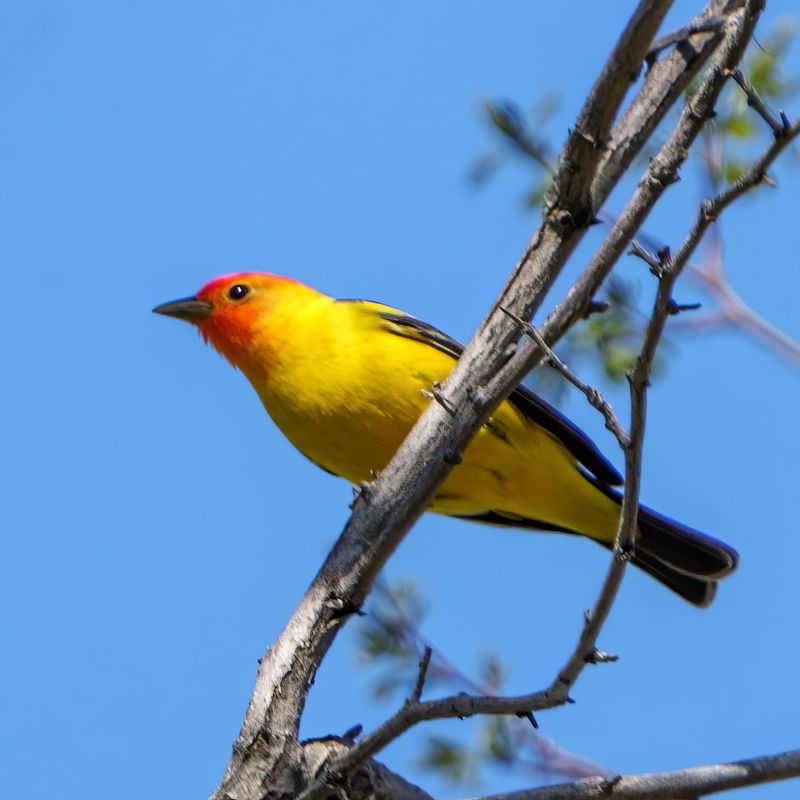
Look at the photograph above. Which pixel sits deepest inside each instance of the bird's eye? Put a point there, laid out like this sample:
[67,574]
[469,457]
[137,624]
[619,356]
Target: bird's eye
[238,291]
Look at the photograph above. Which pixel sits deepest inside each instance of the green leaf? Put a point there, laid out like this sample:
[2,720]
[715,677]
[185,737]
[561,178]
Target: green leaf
[617,360]
[740,125]
[506,117]
[498,742]
[764,64]
[450,759]
[734,169]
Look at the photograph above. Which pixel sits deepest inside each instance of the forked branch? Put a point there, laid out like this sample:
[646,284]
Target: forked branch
[667,270]
[592,395]
[268,758]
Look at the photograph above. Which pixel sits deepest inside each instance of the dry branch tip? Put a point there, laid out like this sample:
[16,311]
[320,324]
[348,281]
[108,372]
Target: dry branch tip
[673,308]
[596,656]
[421,675]
[528,715]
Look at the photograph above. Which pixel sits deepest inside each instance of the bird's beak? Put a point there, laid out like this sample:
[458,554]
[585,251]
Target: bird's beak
[189,308]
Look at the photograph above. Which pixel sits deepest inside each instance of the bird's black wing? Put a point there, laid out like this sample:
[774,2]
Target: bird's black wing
[529,404]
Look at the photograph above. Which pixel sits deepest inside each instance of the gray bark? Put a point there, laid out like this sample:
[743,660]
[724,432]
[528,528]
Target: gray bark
[268,760]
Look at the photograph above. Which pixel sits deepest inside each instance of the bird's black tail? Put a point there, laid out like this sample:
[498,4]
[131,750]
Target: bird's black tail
[683,559]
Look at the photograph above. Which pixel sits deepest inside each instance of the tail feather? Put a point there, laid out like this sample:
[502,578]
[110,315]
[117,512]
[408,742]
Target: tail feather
[683,548]
[685,560]
[696,590]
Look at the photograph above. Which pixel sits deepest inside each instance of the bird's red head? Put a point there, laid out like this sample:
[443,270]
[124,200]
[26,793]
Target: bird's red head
[235,312]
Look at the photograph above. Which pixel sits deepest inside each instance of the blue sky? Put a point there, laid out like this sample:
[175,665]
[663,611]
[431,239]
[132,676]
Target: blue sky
[158,530]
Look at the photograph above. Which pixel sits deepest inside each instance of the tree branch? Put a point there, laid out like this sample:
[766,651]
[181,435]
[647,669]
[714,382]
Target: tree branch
[385,510]
[556,760]
[754,101]
[735,311]
[373,781]
[693,782]
[667,270]
[709,212]
[592,395]
[267,752]
[682,34]
[581,157]
[421,675]
[662,171]
[664,83]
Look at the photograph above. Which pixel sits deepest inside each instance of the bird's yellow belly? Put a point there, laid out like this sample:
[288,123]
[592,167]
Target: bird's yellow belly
[511,467]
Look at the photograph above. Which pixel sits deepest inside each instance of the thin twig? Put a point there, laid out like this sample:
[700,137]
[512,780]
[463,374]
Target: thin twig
[592,395]
[662,171]
[352,733]
[656,261]
[734,311]
[460,706]
[594,620]
[442,664]
[596,307]
[664,84]
[674,308]
[779,126]
[754,175]
[423,671]
[681,35]
[584,151]
[694,782]
[556,759]
[708,213]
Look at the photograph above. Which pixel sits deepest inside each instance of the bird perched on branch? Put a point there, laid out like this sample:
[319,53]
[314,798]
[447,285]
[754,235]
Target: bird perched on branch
[345,380]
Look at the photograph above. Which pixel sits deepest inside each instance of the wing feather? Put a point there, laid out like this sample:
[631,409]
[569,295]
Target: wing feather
[528,403]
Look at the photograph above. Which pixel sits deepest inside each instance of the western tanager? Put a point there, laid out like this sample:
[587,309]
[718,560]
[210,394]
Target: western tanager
[345,380]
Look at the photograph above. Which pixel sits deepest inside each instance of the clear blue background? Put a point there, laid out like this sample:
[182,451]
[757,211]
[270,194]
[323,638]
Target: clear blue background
[157,530]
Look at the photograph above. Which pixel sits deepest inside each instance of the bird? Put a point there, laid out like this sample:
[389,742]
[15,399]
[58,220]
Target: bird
[345,381]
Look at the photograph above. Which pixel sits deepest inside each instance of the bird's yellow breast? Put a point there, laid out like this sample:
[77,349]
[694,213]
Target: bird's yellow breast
[346,392]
